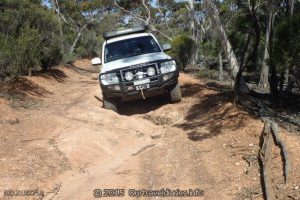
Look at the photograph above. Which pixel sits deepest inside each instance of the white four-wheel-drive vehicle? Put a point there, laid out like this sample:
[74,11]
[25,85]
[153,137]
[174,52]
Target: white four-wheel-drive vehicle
[134,66]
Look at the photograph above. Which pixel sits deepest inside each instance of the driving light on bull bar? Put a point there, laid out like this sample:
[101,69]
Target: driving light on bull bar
[109,79]
[128,76]
[151,71]
[169,66]
[167,77]
[117,87]
[114,87]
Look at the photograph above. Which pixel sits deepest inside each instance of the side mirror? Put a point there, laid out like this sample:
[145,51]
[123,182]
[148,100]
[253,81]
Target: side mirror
[96,61]
[167,47]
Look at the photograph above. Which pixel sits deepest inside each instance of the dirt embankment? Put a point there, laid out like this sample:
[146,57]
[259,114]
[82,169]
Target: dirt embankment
[56,137]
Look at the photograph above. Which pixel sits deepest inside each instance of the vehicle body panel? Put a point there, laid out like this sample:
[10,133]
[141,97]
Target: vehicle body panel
[137,64]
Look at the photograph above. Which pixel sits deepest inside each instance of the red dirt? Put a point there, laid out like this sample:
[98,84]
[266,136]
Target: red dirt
[56,137]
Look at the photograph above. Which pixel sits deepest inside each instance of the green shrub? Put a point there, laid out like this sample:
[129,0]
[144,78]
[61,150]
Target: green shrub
[182,49]
[89,46]
[286,45]
[52,55]
[18,55]
[29,37]
[208,74]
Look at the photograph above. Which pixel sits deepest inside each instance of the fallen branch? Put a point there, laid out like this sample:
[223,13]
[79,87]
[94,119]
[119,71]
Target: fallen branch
[143,149]
[284,152]
[265,157]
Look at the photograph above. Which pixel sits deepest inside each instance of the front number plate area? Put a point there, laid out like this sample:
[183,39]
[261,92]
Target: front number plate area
[142,84]
[142,87]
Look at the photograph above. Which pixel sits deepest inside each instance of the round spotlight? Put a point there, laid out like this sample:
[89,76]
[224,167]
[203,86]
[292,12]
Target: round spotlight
[151,71]
[117,87]
[166,77]
[128,76]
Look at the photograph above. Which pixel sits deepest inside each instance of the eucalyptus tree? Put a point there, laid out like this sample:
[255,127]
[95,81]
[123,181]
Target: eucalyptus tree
[141,12]
[75,17]
[28,37]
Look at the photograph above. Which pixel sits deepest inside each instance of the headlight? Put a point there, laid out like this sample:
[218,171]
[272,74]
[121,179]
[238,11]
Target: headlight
[128,76]
[169,66]
[109,79]
[151,71]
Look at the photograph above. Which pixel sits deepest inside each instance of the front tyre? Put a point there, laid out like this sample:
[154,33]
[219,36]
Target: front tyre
[110,104]
[175,94]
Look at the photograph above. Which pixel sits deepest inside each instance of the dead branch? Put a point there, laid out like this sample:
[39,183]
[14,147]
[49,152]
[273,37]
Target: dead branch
[274,129]
[141,19]
[265,157]
[284,152]
[143,149]
[166,22]
[57,9]
[149,12]
[128,12]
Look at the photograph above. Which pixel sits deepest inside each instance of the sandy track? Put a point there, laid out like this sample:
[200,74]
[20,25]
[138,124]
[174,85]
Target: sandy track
[57,138]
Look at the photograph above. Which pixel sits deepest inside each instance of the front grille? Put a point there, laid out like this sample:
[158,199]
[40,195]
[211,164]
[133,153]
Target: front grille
[139,70]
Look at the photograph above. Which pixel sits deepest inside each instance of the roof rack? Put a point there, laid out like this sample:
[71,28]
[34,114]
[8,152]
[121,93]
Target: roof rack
[136,29]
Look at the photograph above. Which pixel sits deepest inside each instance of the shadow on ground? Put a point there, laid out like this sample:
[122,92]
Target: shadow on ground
[24,87]
[212,114]
[143,106]
[189,90]
[285,110]
[82,70]
[23,93]
[57,74]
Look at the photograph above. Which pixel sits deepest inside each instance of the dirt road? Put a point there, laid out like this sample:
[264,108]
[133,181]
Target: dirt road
[56,137]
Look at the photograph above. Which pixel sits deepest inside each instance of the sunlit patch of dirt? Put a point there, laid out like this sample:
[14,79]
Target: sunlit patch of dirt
[70,145]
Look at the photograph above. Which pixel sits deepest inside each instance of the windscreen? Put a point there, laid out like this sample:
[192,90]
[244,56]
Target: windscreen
[129,48]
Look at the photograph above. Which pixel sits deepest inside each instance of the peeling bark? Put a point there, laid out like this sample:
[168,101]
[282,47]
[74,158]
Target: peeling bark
[264,74]
[214,16]
[234,66]
[193,30]
[220,66]
[79,34]
[265,157]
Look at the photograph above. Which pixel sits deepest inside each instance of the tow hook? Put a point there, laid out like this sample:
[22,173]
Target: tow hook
[142,92]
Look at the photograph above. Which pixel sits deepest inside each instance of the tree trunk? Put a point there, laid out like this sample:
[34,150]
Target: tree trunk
[287,71]
[214,16]
[61,35]
[29,71]
[286,76]
[292,5]
[234,66]
[220,66]
[273,80]
[193,30]
[53,5]
[56,8]
[72,48]
[264,74]
[281,82]
[148,11]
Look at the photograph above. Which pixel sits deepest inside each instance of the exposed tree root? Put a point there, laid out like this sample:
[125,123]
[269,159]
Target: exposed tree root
[269,134]
[279,142]
[265,157]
